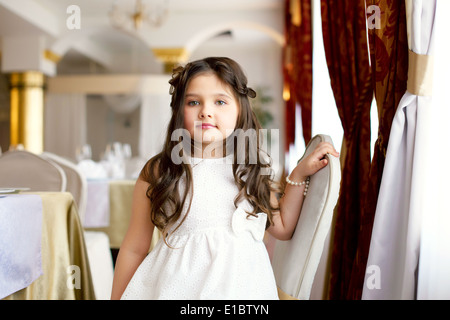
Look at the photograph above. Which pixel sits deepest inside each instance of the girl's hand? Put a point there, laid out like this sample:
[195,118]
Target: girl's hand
[314,161]
[291,202]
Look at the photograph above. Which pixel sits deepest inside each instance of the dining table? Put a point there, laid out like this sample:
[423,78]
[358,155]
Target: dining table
[43,253]
[109,209]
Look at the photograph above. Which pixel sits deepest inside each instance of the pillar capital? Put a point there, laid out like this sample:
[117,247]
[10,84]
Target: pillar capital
[171,57]
[27,79]
[23,53]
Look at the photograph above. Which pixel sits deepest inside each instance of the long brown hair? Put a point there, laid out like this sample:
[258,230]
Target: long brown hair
[164,175]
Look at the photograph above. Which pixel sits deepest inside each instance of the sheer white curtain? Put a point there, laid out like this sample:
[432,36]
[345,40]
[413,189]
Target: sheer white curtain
[65,123]
[155,116]
[395,253]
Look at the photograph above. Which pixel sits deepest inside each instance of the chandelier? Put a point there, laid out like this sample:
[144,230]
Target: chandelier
[153,13]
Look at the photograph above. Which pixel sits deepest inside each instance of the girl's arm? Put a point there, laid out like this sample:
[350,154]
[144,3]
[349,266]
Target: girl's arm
[136,243]
[285,221]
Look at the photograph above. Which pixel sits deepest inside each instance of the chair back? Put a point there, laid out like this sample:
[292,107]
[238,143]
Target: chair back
[76,181]
[296,261]
[23,169]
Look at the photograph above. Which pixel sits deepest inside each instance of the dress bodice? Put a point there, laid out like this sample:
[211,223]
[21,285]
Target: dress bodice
[213,193]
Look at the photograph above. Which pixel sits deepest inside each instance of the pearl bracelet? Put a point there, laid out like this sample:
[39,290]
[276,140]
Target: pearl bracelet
[306,183]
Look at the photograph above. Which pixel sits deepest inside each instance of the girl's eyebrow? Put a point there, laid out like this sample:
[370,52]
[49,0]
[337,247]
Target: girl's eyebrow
[214,95]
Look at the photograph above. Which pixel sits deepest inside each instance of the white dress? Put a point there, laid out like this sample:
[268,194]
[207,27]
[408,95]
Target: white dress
[217,253]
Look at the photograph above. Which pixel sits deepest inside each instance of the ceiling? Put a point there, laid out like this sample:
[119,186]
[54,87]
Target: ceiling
[99,6]
[97,44]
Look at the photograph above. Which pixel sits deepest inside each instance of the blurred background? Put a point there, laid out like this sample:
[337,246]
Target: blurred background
[106,64]
[87,80]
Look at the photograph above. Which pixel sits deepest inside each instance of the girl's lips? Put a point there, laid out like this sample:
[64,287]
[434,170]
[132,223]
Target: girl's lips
[207,126]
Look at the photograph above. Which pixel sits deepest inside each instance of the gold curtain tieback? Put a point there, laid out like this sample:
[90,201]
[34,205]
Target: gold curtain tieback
[420,74]
[284,296]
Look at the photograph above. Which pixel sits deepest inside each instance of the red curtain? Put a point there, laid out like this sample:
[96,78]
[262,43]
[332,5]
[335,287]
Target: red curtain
[389,61]
[354,80]
[297,55]
[346,51]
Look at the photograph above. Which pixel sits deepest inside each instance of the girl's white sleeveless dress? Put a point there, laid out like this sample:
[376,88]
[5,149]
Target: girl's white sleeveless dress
[217,252]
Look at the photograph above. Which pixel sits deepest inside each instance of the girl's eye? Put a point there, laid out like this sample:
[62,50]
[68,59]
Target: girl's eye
[221,102]
[193,103]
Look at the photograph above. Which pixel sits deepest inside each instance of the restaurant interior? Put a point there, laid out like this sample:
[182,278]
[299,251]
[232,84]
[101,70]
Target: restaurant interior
[85,103]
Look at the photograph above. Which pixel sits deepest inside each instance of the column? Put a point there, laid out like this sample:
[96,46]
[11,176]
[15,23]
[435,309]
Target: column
[27,110]
[27,62]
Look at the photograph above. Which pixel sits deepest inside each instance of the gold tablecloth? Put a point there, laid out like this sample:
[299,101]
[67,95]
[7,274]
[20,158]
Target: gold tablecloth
[62,246]
[121,198]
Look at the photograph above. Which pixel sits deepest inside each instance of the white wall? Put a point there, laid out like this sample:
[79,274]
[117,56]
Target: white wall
[104,126]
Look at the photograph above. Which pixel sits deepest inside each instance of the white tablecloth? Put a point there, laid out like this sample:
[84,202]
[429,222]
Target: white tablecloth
[20,242]
[97,205]
[119,201]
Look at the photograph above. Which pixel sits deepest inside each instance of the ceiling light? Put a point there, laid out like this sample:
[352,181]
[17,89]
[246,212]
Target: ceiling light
[153,13]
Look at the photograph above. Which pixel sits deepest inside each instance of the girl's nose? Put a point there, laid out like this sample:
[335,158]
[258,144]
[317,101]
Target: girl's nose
[205,112]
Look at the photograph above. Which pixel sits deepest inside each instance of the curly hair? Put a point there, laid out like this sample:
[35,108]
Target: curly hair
[164,176]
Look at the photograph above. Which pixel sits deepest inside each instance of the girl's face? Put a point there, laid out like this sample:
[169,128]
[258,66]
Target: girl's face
[210,109]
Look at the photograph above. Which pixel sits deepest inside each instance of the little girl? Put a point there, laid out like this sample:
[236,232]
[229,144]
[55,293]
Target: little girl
[211,208]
